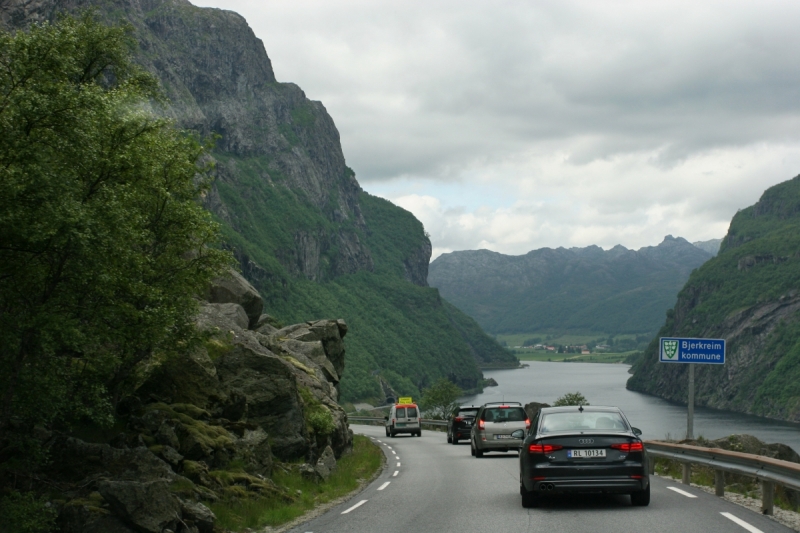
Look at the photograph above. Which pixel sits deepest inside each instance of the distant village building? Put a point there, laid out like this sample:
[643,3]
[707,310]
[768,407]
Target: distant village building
[584,351]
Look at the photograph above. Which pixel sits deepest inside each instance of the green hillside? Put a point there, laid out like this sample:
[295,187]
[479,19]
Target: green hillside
[403,332]
[748,295]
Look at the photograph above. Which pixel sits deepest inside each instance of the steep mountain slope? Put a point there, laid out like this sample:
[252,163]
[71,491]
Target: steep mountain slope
[579,289]
[306,235]
[748,295]
[710,246]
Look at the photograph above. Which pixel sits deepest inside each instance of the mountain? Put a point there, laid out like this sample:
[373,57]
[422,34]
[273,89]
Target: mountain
[710,246]
[750,295]
[304,232]
[577,289]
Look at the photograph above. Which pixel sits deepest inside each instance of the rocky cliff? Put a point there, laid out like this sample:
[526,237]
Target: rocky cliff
[748,295]
[305,234]
[581,289]
[207,426]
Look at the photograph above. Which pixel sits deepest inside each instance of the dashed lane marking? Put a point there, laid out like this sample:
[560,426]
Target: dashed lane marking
[748,527]
[394,452]
[398,464]
[683,492]
[384,485]
[395,473]
[356,506]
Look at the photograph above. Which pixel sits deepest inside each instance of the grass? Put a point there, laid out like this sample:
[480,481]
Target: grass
[253,513]
[539,355]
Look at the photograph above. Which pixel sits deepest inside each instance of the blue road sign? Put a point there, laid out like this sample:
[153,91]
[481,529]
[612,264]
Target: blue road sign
[702,351]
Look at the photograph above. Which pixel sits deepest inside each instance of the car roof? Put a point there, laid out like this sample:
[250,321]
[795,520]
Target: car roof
[589,408]
[405,405]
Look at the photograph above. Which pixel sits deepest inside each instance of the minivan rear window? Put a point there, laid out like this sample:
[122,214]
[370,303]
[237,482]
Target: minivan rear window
[504,414]
[411,412]
[400,412]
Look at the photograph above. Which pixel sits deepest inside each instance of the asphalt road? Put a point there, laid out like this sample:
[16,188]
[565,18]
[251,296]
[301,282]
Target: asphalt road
[429,485]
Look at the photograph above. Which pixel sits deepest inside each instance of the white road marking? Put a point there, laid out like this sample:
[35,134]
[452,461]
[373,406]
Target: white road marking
[748,527]
[388,446]
[398,464]
[395,473]
[379,440]
[394,452]
[356,506]
[679,491]
[384,485]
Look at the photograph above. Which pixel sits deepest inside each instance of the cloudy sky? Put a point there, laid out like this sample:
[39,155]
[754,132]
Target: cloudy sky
[514,125]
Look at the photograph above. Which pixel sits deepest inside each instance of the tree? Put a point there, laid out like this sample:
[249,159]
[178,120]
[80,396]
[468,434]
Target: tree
[103,245]
[440,399]
[571,398]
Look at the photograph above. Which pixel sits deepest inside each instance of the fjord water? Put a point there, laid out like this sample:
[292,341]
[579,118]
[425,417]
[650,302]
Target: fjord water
[604,384]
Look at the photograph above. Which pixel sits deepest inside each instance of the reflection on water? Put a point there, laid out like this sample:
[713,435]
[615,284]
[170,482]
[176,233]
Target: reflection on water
[604,384]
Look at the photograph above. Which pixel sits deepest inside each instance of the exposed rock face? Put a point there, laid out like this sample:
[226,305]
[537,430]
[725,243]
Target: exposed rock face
[748,295]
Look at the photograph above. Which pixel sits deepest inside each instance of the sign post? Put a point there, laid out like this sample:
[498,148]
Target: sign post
[692,352]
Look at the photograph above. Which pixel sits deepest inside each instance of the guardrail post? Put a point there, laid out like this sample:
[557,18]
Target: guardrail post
[719,482]
[767,497]
[687,473]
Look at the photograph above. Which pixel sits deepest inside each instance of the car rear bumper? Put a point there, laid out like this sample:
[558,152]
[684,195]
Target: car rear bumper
[575,485]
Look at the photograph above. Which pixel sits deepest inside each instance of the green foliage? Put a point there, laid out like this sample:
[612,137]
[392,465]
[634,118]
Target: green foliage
[255,513]
[26,513]
[571,398]
[758,264]
[102,242]
[440,399]
[318,417]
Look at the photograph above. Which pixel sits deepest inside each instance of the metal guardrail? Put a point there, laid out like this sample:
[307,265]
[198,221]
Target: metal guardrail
[767,470]
[428,421]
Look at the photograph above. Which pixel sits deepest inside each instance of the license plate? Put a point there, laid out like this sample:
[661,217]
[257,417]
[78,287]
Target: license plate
[503,437]
[468,424]
[400,425]
[581,454]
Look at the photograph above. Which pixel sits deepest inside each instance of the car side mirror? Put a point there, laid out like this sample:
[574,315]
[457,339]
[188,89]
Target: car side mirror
[636,431]
[386,418]
[518,434]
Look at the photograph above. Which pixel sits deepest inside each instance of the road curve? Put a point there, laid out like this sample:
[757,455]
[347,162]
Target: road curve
[430,485]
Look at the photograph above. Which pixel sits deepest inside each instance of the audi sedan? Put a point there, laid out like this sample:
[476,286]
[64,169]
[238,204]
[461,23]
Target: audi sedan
[582,449]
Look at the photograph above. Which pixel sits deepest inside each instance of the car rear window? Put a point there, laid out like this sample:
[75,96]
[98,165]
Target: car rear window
[467,412]
[406,412]
[504,414]
[555,422]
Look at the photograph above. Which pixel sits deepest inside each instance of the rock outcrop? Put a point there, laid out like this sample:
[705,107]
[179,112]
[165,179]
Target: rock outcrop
[212,424]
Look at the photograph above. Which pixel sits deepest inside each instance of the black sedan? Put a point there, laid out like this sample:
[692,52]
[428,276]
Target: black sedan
[459,424]
[582,449]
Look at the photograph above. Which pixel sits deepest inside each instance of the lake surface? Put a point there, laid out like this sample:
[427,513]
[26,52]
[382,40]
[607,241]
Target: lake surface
[604,384]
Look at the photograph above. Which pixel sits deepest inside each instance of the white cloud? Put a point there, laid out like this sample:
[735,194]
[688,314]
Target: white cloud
[515,125]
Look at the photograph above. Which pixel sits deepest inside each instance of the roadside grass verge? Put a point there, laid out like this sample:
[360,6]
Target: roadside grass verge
[254,513]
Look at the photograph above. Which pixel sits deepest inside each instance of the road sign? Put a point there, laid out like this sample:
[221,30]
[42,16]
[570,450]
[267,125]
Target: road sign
[405,399]
[698,351]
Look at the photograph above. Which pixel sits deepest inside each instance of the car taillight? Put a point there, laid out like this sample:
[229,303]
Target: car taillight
[459,419]
[628,447]
[481,425]
[543,448]
[527,423]
[393,420]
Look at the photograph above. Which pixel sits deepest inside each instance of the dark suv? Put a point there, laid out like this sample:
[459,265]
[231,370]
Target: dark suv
[460,423]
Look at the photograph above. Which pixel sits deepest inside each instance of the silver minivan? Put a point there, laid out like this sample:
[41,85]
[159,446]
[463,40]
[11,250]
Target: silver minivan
[493,426]
[403,418]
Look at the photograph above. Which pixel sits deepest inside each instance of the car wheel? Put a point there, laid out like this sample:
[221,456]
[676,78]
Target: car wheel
[529,498]
[455,439]
[471,449]
[641,498]
[391,433]
[419,433]
[387,432]
[478,452]
[449,438]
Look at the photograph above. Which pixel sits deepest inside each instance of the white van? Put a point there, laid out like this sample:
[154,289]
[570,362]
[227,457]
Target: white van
[403,418]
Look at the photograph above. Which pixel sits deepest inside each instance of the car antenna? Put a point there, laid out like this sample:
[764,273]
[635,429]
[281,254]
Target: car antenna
[580,408]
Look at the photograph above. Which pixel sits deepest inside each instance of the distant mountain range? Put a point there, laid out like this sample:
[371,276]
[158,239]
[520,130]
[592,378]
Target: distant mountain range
[749,295]
[577,289]
[710,246]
